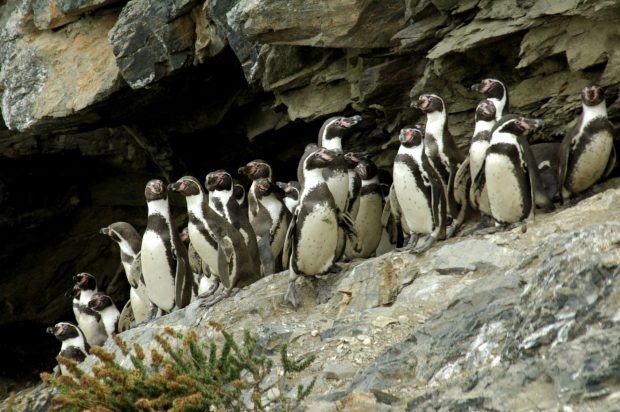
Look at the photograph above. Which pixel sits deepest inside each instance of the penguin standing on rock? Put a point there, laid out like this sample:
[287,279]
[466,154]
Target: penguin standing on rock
[235,268]
[587,153]
[130,242]
[484,123]
[442,152]
[419,191]
[83,289]
[74,345]
[510,172]
[165,263]
[313,233]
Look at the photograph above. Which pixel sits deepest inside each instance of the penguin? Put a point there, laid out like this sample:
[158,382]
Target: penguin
[90,324]
[419,190]
[274,214]
[547,157]
[240,196]
[442,152]
[368,215]
[130,242]
[484,123]
[165,263]
[109,314]
[355,184]
[85,285]
[235,268]
[204,282]
[312,235]
[390,231]
[73,343]
[510,173]
[587,152]
[495,91]
[309,148]
[292,190]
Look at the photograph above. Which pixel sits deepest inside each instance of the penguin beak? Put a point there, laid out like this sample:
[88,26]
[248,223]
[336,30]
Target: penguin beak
[104,231]
[245,170]
[476,87]
[50,330]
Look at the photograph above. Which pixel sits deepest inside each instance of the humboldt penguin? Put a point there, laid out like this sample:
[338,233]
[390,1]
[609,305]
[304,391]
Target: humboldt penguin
[355,184]
[310,148]
[73,343]
[484,123]
[235,268]
[240,196]
[442,152]
[204,282]
[292,190]
[130,242]
[419,191]
[495,91]
[587,152]
[105,307]
[547,157]
[370,207]
[165,263]
[84,286]
[510,172]
[274,216]
[312,235]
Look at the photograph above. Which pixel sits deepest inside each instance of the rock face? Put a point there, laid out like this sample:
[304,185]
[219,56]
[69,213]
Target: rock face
[99,96]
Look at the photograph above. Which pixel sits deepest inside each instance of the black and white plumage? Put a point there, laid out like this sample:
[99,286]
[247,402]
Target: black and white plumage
[587,152]
[73,343]
[484,123]
[496,92]
[442,152]
[419,191]
[130,242]
[165,263]
[267,211]
[235,268]
[292,191]
[107,310]
[313,233]
[510,173]
[370,206]
[84,288]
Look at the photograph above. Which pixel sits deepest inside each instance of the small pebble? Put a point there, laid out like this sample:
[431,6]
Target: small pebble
[314,333]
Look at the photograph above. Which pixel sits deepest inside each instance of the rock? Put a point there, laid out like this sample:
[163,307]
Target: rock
[472,254]
[312,102]
[339,370]
[151,40]
[383,321]
[39,86]
[50,14]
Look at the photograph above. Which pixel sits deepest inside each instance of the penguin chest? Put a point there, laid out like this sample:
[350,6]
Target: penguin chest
[477,153]
[338,184]
[414,197]
[157,271]
[93,330]
[316,240]
[506,188]
[203,247]
[368,222]
[291,204]
[588,164]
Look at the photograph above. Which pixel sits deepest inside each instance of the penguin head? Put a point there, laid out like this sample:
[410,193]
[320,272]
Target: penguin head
[85,281]
[491,88]
[485,111]
[292,189]
[430,103]
[219,180]
[352,160]
[239,192]
[155,190]
[320,158]
[120,231]
[592,95]
[336,128]
[256,169]
[100,301]
[64,331]
[74,292]
[366,169]
[411,136]
[187,186]
[518,125]
[264,187]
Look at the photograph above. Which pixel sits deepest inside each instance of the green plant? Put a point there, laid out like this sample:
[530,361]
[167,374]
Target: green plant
[187,376]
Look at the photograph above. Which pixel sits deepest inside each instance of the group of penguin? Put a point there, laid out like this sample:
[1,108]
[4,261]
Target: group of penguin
[341,206]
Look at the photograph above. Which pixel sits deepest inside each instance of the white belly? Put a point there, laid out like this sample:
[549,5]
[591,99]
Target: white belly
[413,202]
[505,199]
[339,186]
[207,253]
[315,248]
[157,272]
[139,306]
[291,204]
[591,164]
[477,152]
[94,332]
[368,222]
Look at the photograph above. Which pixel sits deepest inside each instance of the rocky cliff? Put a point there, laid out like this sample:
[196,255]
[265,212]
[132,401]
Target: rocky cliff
[98,96]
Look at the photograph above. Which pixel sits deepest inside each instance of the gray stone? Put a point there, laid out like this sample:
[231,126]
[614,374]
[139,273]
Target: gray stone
[472,254]
[50,14]
[339,370]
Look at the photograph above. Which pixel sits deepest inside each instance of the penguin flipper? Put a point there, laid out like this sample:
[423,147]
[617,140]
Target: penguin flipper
[266,255]
[438,204]
[477,186]
[183,280]
[288,239]
[348,225]
[611,163]
[225,256]
[136,268]
[563,160]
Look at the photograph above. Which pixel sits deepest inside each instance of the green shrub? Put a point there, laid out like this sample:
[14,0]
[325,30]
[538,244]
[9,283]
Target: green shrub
[187,376]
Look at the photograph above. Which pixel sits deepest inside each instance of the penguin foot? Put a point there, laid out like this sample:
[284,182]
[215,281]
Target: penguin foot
[335,268]
[291,295]
[428,242]
[217,297]
[452,230]
[209,292]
